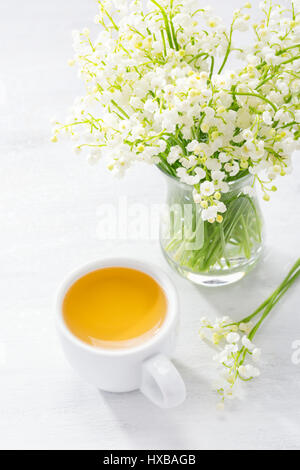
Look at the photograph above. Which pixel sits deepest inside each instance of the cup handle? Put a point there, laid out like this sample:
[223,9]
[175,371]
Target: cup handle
[162,383]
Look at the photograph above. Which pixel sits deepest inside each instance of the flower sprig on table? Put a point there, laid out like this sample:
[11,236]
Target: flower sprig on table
[237,355]
[159,89]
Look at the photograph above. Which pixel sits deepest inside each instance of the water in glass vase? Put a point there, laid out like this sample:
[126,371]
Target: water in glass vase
[211,254]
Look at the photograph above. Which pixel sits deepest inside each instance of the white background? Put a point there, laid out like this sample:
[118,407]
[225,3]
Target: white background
[49,215]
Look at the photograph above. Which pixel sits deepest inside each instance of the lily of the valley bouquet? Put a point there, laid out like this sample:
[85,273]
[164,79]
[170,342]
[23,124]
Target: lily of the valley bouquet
[161,89]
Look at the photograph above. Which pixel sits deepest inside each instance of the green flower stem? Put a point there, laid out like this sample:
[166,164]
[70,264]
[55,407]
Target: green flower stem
[174,35]
[272,300]
[164,41]
[120,109]
[239,235]
[165,18]
[290,124]
[277,155]
[266,80]
[111,20]
[266,307]
[228,49]
[270,307]
[290,60]
[212,66]
[282,51]
[196,57]
[255,95]
[293,10]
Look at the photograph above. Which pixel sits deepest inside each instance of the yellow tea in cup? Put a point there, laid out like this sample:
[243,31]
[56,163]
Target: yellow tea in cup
[114,307]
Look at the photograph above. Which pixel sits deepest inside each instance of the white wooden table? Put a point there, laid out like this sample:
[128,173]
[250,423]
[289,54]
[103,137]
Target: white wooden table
[49,216]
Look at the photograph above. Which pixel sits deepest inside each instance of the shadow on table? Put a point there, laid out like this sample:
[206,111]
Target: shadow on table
[240,299]
[148,427]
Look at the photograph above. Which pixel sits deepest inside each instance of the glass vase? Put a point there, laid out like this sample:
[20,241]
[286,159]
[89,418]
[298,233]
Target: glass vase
[211,254]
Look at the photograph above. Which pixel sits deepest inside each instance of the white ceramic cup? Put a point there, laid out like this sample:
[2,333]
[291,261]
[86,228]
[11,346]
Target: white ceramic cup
[145,366]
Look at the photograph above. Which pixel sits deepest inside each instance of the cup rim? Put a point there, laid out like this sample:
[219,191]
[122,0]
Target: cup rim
[154,271]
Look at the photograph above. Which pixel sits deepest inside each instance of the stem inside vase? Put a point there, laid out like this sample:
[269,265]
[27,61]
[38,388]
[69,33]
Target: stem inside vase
[193,245]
